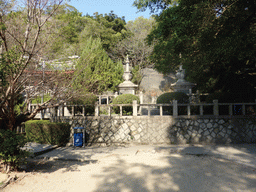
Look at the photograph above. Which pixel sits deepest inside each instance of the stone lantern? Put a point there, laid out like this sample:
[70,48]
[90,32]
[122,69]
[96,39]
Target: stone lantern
[182,85]
[127,87]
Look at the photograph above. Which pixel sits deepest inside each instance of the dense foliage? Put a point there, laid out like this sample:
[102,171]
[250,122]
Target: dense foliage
[87,100]
[169,97]
[125,99]
[46,132]
[95,71]
[10,149]
[215,38]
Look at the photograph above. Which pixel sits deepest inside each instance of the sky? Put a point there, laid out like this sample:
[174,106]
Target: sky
[120,8]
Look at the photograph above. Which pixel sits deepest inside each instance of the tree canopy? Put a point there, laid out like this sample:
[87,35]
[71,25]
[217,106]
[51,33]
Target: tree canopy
[95,71]
[215,38]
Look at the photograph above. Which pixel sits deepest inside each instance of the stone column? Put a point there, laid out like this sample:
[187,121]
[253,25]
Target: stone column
[134,106]
[175,108]
[96,109]
[215,108]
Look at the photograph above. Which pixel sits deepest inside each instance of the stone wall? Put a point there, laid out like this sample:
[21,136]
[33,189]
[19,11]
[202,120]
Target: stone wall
[164,129]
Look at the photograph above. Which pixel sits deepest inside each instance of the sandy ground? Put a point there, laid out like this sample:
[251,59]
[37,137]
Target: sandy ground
[141,170]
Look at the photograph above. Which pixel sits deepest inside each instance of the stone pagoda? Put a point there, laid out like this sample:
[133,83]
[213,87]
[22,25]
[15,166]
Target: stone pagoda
[181,85]
[127,87]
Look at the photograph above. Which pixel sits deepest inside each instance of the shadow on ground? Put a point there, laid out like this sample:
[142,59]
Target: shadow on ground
[175,172]
[66,158]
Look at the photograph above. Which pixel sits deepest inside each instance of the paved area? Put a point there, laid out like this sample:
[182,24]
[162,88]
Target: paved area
[146,168]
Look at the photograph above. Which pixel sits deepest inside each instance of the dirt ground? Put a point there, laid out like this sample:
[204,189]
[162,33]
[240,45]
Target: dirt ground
[140,171]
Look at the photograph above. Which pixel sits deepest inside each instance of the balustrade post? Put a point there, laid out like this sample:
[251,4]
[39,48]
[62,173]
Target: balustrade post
[121,110]
[134,107]
[96,109]
[109,110]
[243,109]
[73,111]
[99,100]
[141,97]
[201,110]
[58,111]
[189,111]
[175,108]
[83,110]
[62,110]
[161,110]
[230,109]
[215,108]
[29,109]
[141,101]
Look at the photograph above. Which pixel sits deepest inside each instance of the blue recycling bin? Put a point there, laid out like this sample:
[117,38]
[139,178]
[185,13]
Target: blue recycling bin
[78,136]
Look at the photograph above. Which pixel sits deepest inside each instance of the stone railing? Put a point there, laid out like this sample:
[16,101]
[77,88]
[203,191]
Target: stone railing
[174,109]
[163,123]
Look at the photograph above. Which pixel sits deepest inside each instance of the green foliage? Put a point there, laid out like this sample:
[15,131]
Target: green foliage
[125,99]
[69,24]
[136,75]
[154,5]
[88,100]
[46,132]
[38,99]
[109,28]
[216,40]
[95,71]
[10,148]
[169,97]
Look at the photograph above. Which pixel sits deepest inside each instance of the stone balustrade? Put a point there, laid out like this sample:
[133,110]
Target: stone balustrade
[174,109]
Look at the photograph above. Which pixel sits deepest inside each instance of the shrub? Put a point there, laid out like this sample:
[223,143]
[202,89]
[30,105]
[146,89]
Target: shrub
[87,100]
[167,98]
[45,132]
[125,99]
[10,149]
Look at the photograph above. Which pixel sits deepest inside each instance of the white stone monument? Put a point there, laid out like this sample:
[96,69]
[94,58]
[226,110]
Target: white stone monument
[127,87]
[182,85]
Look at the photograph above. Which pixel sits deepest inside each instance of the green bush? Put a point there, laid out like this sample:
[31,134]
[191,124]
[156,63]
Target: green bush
[10,149]
[46,132]
[87,100]
[167,98]
[125,99]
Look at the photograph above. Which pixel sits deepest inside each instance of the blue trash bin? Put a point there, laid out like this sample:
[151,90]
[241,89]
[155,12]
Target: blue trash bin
[78,136]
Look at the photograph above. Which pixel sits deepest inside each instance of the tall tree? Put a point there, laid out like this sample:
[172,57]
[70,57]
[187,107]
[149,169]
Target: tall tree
[109,28]
[68,24]
[95,71]
[216,40]
[21,44]
[135,46]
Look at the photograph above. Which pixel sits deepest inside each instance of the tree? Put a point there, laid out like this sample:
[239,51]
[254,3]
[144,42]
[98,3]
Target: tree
[215,38]
[135,46]
[22,40]
[95,71]
[68,24]
[109,28]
